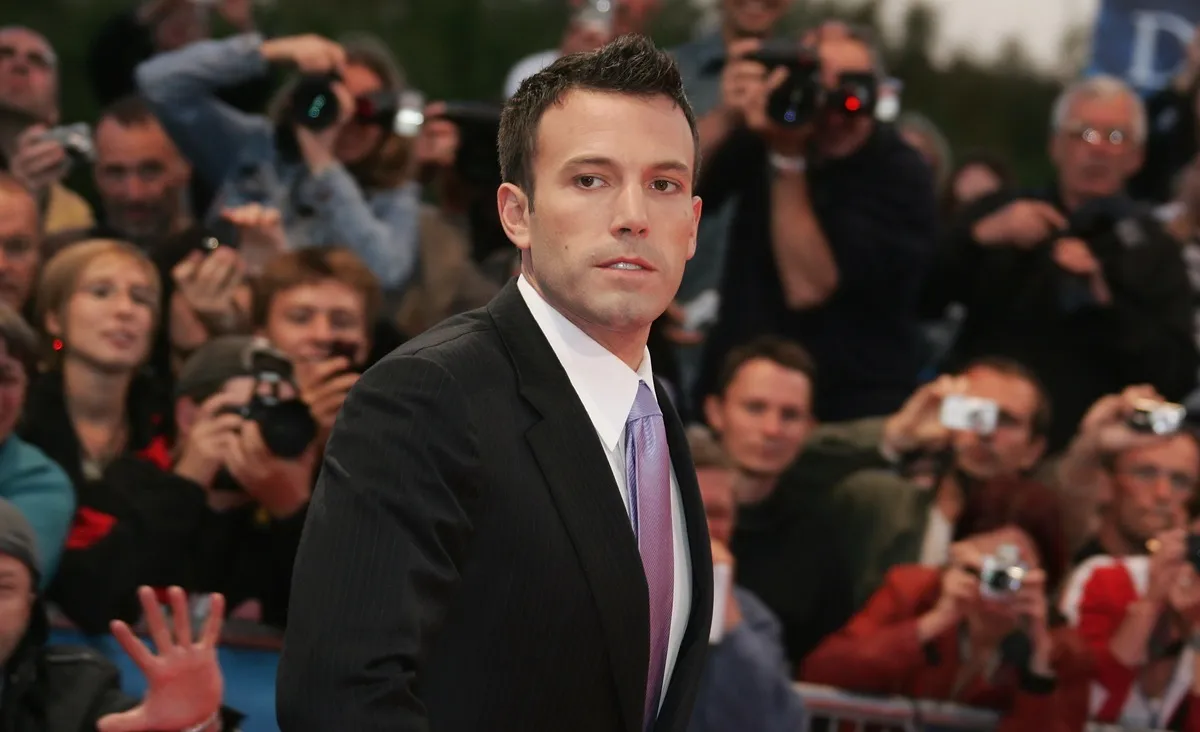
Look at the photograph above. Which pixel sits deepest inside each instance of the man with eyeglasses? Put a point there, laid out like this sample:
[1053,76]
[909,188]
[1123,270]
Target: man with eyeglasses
[1077,281]
[28,108]
[1130,484]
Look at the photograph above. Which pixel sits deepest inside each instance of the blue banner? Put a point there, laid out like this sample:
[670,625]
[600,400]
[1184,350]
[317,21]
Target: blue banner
[1143,41]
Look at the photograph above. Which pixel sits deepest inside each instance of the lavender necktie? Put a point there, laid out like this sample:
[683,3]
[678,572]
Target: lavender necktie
[648,471]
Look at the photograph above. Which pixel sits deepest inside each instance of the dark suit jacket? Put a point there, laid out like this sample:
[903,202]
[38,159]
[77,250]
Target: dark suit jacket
[467,563]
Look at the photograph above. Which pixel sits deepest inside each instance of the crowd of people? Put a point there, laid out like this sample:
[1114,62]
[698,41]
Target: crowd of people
[173,356]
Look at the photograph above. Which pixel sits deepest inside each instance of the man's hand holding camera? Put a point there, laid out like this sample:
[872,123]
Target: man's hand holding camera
[313,54]
[323,386]
[279,485]
[917,427]
[213,287]
[211,439]
[1023,223]
[38,162]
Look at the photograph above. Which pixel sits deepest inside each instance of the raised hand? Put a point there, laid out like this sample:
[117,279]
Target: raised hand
[184,683]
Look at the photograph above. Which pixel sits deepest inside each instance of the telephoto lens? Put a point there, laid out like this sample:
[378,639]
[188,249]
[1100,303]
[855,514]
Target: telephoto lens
[314,103]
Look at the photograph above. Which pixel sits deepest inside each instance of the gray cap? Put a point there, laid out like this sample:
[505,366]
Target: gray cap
[17,539]
[214,363]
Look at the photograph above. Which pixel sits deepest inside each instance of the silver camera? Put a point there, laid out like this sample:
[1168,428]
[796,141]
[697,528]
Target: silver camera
[1158,418]
[1002,573]
[971,414]
[76,138]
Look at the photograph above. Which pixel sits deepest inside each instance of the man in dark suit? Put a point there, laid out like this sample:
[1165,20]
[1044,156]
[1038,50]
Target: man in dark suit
[507,532]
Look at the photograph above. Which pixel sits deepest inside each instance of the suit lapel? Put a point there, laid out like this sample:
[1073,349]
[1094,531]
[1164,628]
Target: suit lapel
[677,705]
[587,499]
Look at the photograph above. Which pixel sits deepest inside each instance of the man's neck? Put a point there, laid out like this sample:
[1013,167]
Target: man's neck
[1114,542]
[750,489]
[627,345]
[94,396]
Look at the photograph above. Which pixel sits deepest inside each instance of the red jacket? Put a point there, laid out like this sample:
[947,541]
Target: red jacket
[878,653]
[1095,601]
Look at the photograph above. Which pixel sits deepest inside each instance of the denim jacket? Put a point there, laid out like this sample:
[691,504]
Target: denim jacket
[237,153]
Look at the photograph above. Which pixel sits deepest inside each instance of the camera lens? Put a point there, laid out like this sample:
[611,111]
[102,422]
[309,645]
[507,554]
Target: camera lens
[314,103]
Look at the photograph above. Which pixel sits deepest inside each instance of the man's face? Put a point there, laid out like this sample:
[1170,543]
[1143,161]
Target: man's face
[140,176]
[1152,486]
[752,18]
[720,508]
[1010,449]
[764,417]
[306,321]
[20,237]
[28,73]
[612,220]
[839,134]
[16,604]
[1095,151]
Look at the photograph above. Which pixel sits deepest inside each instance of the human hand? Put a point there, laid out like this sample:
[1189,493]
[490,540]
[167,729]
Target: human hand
[309,53]
[261,235]
[1023,223]
[918,424]
[740,77]
[733,611]
[1105,428]
[1166,564]
[279,485]
[212,437]
[323,385]
[1030,603]
[38,163]
[184,683]
[210,285]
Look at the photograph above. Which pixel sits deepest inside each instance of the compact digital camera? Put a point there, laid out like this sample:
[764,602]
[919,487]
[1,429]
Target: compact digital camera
[1002,573]
[970,414]
[1159,418]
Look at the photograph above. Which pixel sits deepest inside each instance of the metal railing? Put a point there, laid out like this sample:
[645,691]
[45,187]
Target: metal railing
[828,708]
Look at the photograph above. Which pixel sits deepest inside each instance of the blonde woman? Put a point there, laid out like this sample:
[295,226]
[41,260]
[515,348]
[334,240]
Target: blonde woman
[92,413]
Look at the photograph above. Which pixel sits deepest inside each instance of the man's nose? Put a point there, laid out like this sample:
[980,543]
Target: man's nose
[630,217]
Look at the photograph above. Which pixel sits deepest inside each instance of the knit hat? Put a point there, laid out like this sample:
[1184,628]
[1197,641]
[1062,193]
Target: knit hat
[17,539]
[217,361]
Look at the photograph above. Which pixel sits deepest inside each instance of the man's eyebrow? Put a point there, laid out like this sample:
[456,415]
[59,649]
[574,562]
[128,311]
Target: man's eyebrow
[677,166]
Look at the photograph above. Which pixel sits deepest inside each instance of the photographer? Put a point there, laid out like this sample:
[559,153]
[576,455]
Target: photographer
[333,177]
[834,227]
[29,102]
[1077,282]
[979,632]
[255,458]
[1141,616]
[317,306]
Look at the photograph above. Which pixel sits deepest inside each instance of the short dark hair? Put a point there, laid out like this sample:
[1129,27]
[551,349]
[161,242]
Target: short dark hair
[130,110]
[1040,426]
[782,351]
[630,65]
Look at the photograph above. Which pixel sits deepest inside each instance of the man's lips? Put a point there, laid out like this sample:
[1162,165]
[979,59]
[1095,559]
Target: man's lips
[627,263]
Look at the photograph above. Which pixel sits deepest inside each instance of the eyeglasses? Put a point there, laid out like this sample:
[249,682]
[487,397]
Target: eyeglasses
[1149,475]
[1095,135]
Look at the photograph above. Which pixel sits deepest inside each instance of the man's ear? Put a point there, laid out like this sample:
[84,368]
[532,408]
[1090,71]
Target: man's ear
[513,206]
[185,414]
[712,413]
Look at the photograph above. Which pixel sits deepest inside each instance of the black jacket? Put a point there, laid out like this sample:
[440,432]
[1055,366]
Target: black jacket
[137,525]
[1017,307]
[468,564]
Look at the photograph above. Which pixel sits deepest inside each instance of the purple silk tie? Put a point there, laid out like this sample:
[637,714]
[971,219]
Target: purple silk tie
[648,471]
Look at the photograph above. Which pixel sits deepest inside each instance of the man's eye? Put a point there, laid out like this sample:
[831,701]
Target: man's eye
[587,181]
[665,186]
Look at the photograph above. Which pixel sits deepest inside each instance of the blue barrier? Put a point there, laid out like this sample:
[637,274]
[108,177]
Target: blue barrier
[249,676]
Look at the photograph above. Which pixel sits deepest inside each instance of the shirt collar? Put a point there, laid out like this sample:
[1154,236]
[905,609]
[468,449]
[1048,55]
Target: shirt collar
[605,384]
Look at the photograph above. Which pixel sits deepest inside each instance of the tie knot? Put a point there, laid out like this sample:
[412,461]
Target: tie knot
[644,404]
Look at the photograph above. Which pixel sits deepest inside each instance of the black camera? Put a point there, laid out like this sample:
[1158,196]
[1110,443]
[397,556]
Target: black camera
[802,95]
[315,104]
[799,98]
[287,425]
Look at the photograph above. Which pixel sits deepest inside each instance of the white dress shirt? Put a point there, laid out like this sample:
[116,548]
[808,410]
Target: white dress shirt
[607,387]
